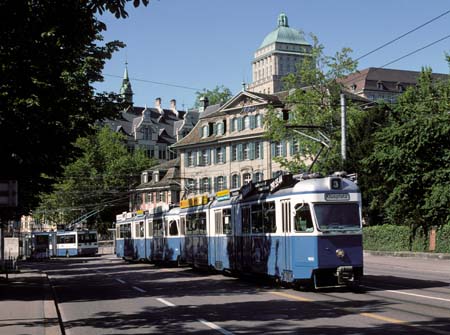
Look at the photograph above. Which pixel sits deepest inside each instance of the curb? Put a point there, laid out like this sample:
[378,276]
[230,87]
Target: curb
[52,316]
[423,255]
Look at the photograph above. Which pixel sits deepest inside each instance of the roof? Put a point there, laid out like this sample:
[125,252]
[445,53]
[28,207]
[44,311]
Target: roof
[283,34]
[370,78]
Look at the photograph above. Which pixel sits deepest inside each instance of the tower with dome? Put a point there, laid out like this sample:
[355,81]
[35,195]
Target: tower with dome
[276,57]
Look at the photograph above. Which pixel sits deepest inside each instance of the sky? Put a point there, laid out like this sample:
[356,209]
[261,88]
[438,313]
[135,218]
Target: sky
[178,47]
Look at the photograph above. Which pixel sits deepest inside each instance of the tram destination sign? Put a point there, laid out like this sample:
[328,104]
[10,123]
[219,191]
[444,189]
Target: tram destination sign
[337,196]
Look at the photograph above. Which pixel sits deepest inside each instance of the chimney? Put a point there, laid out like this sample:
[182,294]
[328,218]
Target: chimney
[203,104]
[158,104]
[173,107]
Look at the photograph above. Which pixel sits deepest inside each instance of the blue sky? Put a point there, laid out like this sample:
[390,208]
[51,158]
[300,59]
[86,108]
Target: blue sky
[203,43]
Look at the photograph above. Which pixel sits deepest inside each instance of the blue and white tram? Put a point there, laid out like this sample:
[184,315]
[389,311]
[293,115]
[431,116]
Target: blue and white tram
[140,237]
[124,243]
[298,231]
[195,218]
[76,243]
[174,237]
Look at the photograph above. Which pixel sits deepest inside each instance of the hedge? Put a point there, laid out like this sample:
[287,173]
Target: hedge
[396,238]
[443,239]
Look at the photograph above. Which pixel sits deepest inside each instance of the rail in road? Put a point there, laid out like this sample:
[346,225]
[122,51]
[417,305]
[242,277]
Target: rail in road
[108,296]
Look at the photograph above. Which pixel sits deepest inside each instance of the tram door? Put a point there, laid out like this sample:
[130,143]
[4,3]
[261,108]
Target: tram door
[218,240]
[286,268]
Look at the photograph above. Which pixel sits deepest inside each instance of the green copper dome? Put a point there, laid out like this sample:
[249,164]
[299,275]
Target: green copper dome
[284,34]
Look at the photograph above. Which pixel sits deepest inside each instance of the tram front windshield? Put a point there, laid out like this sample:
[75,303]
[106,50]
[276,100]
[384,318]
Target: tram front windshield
[337,216]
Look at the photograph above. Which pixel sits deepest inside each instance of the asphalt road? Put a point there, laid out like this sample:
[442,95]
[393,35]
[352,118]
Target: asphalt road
[105,295]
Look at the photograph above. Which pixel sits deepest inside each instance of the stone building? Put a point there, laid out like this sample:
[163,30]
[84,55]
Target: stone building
[152,129]
[277,56]
[383,84]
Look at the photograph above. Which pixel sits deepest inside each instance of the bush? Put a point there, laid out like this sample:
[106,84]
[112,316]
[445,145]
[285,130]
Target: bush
[395,238]
[443,239]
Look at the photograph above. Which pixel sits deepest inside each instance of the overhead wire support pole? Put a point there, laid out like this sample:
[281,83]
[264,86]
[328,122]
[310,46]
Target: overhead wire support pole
[343,129]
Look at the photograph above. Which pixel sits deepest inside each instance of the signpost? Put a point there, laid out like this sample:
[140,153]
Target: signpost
[8,200]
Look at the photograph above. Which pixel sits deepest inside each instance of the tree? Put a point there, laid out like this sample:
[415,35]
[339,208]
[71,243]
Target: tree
[314,101]
[411,158]
[50,56]
[100,179]
[218,95]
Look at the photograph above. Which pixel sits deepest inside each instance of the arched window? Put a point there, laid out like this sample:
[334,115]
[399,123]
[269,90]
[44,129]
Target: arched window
[258,176]
[259,122]
[247,178]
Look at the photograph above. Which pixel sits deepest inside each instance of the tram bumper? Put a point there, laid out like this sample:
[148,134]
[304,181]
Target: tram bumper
[345,275]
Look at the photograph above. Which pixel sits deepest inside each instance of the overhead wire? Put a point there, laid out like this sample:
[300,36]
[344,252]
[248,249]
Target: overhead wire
[403,35]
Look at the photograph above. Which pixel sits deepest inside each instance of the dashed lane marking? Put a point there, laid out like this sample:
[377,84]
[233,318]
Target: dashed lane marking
[165,302]
[120,281]
[138,289]
[215,327]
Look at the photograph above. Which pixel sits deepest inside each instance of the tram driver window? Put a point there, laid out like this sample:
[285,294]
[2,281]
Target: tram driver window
[173,229]
[303,220]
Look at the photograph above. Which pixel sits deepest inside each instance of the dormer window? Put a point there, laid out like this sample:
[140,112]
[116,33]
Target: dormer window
[380,85]
[400,87]
[205,131]
[353,87]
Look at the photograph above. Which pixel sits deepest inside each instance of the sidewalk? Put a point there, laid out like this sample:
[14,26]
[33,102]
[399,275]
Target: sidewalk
[425,255]
[27,305]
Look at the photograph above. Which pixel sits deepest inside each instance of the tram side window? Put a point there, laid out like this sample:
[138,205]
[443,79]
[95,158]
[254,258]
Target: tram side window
[158,228]
[125,231]
[191,224]
[202,223]
[246,220]
[141,229]
[218,222]
[257,222]
[150,228]
[270,225]
[65,239]
[182,226]
[226,221]
[173,229]
[92,238]
[303,220]
[118,231]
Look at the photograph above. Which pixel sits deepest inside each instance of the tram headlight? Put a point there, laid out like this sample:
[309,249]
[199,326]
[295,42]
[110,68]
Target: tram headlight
[340,253]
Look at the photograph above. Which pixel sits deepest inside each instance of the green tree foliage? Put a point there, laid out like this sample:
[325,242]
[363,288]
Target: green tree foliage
[218,95]
[314,100]
[411,158]
[51,52]
[101,178]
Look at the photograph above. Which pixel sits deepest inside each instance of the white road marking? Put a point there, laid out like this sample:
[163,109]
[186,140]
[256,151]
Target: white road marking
[215,327]
[407,293]
[139,289]
[165,302]
[120,281]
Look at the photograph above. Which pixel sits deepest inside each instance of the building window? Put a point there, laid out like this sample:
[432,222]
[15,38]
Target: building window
[190,159]
[258,122]
[258,150]
[246,151]
[235,181]
[204,157]
[146,133]
[206,187]
[246,122]
[220,155]
[190,185]
[220,128]
[258,176]
[247,177]
[234,152]
[221,183]
[162,196]
[278,149]
[205,131]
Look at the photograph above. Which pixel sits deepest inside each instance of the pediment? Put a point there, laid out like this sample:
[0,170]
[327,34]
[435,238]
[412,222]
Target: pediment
[244,101]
